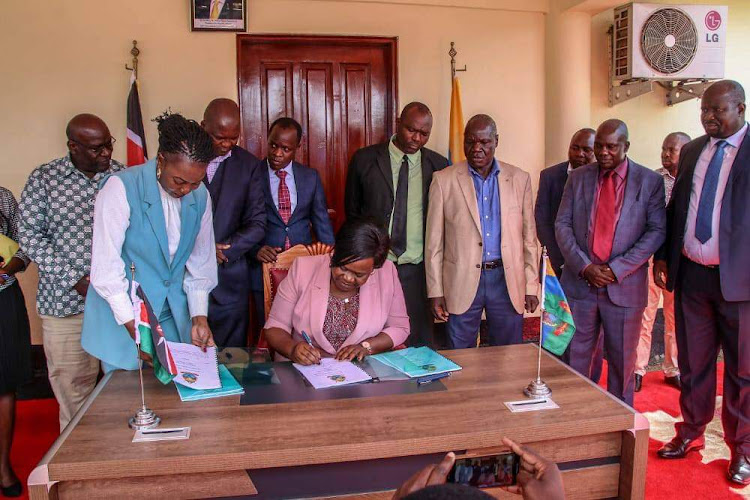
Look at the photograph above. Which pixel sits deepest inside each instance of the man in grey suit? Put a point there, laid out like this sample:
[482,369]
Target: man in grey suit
[705,262]
[611,221]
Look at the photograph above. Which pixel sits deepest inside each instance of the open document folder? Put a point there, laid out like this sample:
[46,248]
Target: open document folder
[332,373]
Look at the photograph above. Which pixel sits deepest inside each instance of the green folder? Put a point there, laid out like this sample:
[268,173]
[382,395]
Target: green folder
[229,387]
[8,248]
[417,361]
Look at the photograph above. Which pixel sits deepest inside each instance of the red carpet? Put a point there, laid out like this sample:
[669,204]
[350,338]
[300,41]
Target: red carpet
[689,477]
[37,428]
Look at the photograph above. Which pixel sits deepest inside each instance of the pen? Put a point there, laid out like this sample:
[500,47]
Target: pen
[531,403]
[307,338]
[431,378]
[170,431]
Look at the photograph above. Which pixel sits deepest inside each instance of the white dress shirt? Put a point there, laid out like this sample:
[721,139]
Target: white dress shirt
[111,220]
[708,253]
[290,184]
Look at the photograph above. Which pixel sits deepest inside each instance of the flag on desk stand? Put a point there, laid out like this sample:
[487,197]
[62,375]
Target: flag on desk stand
[456,132]
[136,137]
[557,321]
[150,337]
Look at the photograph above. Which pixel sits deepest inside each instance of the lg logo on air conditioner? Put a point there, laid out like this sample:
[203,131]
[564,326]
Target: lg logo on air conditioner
[713,22]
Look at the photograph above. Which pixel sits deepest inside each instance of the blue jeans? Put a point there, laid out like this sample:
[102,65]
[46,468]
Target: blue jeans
[505,324]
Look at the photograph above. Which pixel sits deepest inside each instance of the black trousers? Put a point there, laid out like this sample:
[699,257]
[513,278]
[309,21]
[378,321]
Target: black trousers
[704,323]
[414,284]
[229,322]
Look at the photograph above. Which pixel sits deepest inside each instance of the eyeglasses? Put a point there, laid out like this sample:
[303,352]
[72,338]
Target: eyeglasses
[97,150]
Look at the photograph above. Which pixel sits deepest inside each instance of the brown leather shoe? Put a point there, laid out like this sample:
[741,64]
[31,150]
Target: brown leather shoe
[739,470]
[673,381]
[679,447]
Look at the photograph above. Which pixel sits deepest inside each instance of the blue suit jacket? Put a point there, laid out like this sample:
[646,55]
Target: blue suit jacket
[551,184]
[640,232]
[734,225]
[311,213]
[239,219]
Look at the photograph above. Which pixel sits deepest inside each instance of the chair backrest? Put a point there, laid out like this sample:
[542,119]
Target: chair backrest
[275,272]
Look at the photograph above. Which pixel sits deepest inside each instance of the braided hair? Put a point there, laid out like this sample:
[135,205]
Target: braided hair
[179,135]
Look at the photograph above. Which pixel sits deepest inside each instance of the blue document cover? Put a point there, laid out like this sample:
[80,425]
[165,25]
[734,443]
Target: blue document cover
[417,361]
[229,387]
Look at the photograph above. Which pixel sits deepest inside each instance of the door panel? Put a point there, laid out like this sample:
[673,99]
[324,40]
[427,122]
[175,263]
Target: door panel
[342,90]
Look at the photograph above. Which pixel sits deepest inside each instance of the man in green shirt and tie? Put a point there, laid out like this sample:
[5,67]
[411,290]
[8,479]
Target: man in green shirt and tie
[390,183]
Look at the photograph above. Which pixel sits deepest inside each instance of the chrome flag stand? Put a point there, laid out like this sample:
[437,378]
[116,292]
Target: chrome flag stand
[538,388]
[144,418]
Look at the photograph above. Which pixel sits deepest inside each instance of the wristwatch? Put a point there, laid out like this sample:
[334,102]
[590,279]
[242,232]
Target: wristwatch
[367,346]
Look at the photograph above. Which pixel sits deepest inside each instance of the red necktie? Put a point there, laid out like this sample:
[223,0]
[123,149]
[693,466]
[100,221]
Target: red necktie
[604,224]
[285,203]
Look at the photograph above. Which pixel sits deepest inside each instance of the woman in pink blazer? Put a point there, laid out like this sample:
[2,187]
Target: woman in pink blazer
[349,304]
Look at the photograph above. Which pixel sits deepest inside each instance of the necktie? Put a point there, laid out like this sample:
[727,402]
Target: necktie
[285,202]
[705,216]
[398,230]
[604,225]
[215,9]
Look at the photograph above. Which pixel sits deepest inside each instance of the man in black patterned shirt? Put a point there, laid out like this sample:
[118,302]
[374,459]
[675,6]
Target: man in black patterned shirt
[56,220]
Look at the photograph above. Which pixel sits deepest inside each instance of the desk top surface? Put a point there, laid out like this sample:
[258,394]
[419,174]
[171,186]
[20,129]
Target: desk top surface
[226,436]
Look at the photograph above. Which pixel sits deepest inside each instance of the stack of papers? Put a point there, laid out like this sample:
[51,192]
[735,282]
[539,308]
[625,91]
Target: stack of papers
[417,361]
[229,387]
[333,373]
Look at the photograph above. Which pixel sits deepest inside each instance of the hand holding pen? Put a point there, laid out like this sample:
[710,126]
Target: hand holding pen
[305,353]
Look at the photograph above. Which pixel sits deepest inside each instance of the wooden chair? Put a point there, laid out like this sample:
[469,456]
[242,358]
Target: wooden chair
[275,272]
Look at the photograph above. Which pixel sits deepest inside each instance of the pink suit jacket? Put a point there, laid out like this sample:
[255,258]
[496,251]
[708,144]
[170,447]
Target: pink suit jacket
[302,301]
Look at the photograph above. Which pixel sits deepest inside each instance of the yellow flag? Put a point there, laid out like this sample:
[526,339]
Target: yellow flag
[456,134]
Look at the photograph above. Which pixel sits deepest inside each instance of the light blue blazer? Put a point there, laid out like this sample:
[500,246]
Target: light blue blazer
[146,246]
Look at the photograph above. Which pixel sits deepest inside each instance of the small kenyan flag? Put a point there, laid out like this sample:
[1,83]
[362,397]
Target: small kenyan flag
[150,337]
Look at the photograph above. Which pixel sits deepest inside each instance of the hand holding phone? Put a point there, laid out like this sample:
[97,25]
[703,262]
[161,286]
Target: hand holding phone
[486,472]
[538,478]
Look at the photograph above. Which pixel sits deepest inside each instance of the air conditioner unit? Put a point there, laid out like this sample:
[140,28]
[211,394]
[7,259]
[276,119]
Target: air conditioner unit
[669,42]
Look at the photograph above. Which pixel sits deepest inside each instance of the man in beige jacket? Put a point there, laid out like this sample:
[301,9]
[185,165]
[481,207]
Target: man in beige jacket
[481,250]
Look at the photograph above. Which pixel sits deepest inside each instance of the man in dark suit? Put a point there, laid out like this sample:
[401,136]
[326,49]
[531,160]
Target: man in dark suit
[551,184]
[234,182]
[704,261]
[295,202]
[390,182]
[611,221]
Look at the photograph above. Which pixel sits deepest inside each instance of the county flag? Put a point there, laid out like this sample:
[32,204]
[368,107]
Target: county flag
[557,321]
[136,137]
[149,335]
[456,132]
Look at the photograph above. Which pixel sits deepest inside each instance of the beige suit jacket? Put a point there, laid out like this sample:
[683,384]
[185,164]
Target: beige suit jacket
[453,242]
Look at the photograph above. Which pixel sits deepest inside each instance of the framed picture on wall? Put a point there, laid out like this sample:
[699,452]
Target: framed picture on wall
[218,15]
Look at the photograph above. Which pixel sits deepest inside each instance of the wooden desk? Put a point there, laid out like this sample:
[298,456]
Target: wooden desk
[600,443]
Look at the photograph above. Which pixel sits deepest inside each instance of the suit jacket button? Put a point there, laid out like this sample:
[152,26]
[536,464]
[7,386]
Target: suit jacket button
[286,229]
[478,266]
[480,243]
[166,283]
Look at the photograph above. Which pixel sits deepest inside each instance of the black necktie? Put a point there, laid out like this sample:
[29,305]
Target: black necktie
[398,230]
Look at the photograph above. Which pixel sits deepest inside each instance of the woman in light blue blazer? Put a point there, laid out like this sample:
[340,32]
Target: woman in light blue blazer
[157,217]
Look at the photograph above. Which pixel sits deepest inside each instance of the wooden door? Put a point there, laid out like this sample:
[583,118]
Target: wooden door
[342,90]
